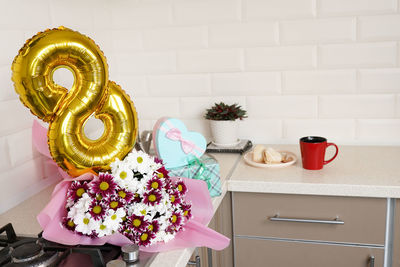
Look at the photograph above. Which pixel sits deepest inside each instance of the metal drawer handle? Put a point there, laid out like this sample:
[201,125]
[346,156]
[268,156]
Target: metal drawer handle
[282,219]
[371,261]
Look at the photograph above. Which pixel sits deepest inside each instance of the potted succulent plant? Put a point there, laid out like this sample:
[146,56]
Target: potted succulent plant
[224,123]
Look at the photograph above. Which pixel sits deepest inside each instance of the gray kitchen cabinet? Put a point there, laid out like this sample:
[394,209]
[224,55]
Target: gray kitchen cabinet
[301,230]
[261,253]
[396,236]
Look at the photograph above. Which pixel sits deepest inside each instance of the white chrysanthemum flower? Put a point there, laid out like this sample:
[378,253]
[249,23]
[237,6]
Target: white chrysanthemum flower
[115,165]
[73,211]
[154,166]
[141,209]
[163,237]
[133,185]
[84,222]
[123,176]
[102,229]
[70,203]
[161,207]
[82,205]
[114,218]
[139,161]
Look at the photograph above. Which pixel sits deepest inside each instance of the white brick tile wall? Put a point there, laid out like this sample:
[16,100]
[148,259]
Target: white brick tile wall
[294,106]
[17,119]
[21,148]
[260,9]
[329,67]
[134,85]
[318,30]
[166,107]
[72,14]
[24,15]
[373,28]
[320,82]
[358,55]
[126,40]
[355,7]
[243,34]
[207,11]
[398,106]
[146,62]
[335,130]
[134,15]
[283,57]
[246,83]
[379,80]
[179,85]
[383,131]
[7,89]
[215,60]
[9,49]
[5,161]
[175,38]
[357,106]
[267,131]
[26,180]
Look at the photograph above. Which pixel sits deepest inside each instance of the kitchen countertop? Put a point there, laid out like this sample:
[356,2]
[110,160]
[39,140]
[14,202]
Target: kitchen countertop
[358,171]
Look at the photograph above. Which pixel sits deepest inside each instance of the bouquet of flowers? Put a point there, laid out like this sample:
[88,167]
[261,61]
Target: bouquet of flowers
[138,199]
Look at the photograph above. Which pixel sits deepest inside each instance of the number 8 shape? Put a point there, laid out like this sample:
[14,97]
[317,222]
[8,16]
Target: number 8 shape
[68,111]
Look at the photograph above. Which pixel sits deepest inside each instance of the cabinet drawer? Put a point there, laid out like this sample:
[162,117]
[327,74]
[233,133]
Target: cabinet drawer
[364,218]
[261,253]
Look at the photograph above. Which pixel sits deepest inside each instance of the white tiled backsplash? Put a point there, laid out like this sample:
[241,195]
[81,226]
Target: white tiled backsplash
[300,67]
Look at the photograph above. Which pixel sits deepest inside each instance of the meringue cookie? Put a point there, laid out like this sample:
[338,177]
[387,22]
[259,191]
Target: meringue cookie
[270,155]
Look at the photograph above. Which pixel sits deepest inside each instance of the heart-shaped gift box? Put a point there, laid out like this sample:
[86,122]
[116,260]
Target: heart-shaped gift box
[174,144]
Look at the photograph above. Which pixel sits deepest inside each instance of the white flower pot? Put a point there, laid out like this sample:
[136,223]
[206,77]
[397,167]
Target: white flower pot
[224,133]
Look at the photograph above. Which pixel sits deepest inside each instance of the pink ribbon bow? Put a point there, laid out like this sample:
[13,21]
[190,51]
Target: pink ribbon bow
[176,135]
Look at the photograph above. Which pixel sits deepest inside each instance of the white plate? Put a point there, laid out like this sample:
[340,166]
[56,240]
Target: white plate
[227,145]
[248,158]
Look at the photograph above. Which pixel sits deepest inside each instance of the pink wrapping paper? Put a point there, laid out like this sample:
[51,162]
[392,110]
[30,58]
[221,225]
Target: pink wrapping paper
[196,234]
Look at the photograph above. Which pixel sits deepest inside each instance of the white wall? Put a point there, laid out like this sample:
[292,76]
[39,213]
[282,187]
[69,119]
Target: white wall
[324,67]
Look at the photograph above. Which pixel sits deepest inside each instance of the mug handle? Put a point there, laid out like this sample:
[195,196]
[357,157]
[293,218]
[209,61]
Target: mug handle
[334,156]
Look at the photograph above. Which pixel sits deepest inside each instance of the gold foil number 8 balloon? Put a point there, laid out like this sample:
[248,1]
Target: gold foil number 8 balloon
[68,111]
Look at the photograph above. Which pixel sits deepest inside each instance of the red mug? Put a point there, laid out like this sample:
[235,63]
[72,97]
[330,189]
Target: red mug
[313,152]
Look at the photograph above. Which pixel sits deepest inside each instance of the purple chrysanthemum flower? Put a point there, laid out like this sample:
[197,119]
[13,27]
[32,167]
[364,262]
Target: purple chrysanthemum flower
[168,185]
[137,223]
[136,198]
[181,187]
[154,226]
[114,202]
[145,238]
[152,197]
[127,231]
[124,195]
[97,209]
[69,223]
[176,219]
[154,183]
[187,210]
[104,185]
[157,160]
[162,173]
[77,189]
[175,197]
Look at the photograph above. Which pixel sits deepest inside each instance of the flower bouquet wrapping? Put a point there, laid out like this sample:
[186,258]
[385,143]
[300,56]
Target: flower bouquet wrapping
[137,202]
